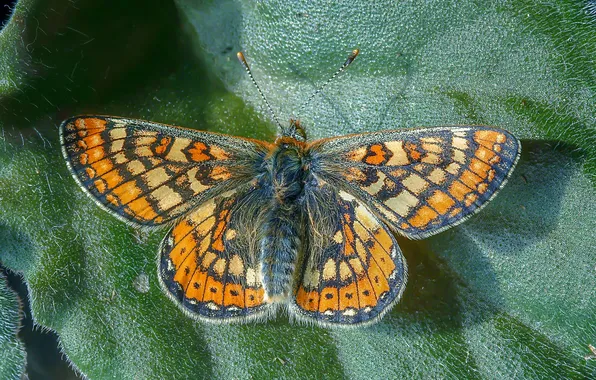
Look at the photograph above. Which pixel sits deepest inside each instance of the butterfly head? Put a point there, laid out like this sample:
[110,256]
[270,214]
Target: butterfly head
[296,131]
[292,137]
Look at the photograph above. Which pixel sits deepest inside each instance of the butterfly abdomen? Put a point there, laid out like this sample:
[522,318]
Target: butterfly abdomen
[279,251]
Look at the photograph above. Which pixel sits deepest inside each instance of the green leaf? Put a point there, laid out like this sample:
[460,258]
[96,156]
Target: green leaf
[12,352]
[511,291]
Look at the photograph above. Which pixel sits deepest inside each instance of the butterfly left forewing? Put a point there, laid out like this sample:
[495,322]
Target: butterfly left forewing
[420,181]
[353,270]
[148,173]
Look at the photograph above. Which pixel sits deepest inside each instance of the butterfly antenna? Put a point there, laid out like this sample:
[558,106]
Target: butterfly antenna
[247,68]
[343,67]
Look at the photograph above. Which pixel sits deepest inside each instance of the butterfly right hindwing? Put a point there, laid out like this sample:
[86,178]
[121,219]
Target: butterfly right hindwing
[353,270]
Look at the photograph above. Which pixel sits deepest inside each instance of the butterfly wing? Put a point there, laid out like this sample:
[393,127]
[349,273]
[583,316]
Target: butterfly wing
[353,271]
[148,173]
[208,262]
[421,181]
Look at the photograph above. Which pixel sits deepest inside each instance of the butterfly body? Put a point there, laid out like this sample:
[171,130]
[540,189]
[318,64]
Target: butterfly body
[306,225]
[281,241]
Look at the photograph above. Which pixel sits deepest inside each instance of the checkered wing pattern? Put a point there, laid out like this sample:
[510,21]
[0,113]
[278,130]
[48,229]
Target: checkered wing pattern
[209,261]
[420,181]
[353,270]
[148,173]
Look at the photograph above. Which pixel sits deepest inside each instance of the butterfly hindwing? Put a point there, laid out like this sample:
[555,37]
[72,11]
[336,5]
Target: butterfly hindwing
[421,181]
[353,270]
[149,173]
[209,261]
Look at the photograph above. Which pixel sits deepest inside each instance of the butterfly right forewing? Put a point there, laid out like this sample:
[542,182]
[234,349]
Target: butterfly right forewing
[420,181]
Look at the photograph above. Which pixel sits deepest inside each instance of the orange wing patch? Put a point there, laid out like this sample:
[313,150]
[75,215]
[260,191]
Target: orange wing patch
[150,173]
[208,268]
[354,274]
[421,181]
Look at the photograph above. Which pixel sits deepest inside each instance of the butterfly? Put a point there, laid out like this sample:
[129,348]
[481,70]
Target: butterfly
[294,224]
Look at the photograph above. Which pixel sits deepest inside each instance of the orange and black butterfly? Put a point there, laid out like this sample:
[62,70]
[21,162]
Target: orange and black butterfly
[303,225]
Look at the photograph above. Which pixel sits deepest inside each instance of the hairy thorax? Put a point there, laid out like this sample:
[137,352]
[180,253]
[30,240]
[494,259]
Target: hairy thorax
[287,170]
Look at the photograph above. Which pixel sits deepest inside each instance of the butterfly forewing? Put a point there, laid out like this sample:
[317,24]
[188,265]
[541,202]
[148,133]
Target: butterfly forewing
[353,270]
[149,173]
[209,260]
[421,181]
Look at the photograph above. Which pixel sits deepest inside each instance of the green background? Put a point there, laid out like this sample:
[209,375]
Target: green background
[12,351]
[510,293]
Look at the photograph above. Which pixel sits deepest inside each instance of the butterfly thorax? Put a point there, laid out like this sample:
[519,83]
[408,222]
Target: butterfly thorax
[287,170]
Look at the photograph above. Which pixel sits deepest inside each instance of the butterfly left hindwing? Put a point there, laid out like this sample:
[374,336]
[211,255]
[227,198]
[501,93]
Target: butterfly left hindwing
[209,261]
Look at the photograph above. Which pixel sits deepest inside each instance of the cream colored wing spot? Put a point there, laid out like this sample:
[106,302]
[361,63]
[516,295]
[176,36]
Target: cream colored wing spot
[402,203]
[415,184]
[176,150]
[329,270]
[399,156]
